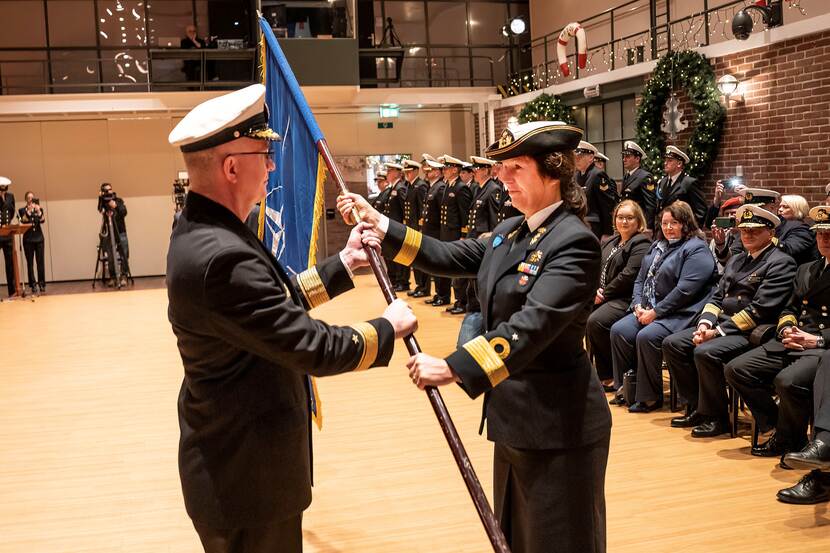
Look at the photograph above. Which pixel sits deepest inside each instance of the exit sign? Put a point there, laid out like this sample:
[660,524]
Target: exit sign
[385,124]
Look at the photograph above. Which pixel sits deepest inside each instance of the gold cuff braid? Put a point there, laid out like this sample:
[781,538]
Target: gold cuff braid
[369,336]
[743,321]
[487,359]
[787,319]
[312,288]
[712,308]
[410,248]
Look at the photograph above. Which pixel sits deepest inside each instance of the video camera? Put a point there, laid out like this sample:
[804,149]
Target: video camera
[180,186]
[105,197]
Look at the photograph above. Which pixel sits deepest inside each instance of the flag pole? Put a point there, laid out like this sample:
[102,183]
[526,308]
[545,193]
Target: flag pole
[485,513]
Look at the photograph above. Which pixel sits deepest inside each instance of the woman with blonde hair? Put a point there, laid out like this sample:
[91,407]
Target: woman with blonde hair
[793,235]
[622,254]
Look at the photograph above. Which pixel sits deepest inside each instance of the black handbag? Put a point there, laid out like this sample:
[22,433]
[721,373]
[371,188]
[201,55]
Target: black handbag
[630,386]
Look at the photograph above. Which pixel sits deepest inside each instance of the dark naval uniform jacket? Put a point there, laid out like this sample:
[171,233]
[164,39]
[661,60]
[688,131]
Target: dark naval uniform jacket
[430,222]
[485,211]
[455,208]
[807,308]
[379,201]
[751,292]
[685,188]
[247,345]
[536,292]
[416,193]
[601,193]
[640,186]
[395,207]
[7,209]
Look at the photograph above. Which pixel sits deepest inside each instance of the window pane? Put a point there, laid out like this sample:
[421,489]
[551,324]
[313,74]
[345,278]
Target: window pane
[74,71]
[579,116]
[612,121]
[408,21]
[629,112]
[125,71]
[121,23]
[447,22]
[486,21]
[23,72]
[169,20]
[71,23]
[595,123]
[614,166]
[23,24]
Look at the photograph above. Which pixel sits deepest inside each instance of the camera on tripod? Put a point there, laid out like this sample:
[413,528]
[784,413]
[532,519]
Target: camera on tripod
[180,185]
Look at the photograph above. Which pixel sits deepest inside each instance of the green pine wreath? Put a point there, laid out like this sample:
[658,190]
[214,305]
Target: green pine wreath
[546,108]
[691,71]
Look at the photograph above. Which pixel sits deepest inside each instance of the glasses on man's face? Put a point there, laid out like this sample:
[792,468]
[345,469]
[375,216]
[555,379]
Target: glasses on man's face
[626,218]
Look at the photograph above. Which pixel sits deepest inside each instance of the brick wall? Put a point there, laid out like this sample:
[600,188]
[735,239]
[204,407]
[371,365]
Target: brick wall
[781,134]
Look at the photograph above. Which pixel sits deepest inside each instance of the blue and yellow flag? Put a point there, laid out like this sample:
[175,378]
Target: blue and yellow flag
[290,216]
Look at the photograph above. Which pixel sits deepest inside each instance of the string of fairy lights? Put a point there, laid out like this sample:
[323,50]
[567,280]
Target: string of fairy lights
[685,35]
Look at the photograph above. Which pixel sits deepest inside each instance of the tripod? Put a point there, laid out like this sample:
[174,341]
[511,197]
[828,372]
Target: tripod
[110,255]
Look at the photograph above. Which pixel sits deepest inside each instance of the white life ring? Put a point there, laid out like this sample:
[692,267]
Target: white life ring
[572,29]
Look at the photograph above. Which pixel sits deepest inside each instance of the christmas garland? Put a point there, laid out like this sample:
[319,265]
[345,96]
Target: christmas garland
[692,72]
[546,108]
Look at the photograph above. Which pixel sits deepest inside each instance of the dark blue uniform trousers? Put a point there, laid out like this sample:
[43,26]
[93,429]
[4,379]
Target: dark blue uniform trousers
[638,347]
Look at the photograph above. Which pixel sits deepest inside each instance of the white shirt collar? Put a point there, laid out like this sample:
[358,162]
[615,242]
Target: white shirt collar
[536,220]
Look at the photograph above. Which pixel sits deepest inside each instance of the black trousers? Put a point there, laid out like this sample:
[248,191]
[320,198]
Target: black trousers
[6,244]
[281,537]
[759,374]
[698,370]
[459,288]
[442,288]
[34,252]
[598,334]
[422,281]
[403,276]
[473,305]
[551,501]
[821,396]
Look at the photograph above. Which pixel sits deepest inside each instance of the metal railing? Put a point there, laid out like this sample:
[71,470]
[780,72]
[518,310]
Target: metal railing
[442,71]
[659,34]
[162,69]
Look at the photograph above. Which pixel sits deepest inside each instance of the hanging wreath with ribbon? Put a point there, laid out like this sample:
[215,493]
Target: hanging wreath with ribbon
[692,72]
[546,108]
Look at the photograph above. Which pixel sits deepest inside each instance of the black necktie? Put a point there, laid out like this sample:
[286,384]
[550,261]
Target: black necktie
[524,230]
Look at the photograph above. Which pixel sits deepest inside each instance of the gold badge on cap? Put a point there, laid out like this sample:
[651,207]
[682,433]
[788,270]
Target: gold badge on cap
[747,215]
[748,196]
[506,138]
[822,214]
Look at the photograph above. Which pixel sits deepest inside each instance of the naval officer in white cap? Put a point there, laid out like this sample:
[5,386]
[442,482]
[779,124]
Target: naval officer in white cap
[677,185]
[246,340]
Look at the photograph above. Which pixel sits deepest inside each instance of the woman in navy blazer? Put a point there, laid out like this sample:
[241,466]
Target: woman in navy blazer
[674,282]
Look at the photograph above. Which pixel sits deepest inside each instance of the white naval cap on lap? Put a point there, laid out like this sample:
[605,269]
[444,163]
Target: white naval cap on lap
[238,114]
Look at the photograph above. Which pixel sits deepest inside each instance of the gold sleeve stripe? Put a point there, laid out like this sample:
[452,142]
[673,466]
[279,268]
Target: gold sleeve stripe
[787,319]
[370,345]
[487,358]
[712,308]
[743,321]
[312,287]
[411,247]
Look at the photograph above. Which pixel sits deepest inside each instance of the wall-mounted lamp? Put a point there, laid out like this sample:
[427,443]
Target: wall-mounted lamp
[728,86]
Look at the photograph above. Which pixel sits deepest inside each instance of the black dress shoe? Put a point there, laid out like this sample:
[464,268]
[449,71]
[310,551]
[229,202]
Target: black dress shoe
[710,429]
[619,399]
[811,489]
[439,302]
[815,455]
[457,310]
[774,447]
[411,293]
[401,288]
[420,294]
[431,300]
[608,388]
[645,407]
[687,421]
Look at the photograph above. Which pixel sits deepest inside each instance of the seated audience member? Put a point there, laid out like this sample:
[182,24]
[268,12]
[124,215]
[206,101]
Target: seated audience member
[814,487]
[716,207]
[792,236]
[753,290]
[728,236]
[787,365]
[622,254]
[673,284]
